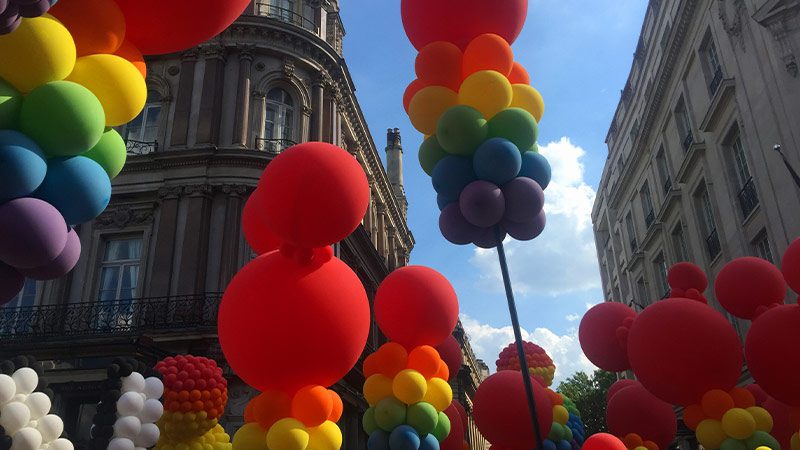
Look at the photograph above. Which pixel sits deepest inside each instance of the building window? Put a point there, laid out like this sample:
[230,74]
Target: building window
[761,247]
[26,297]
[684,125]
[713,66]
[647,205]
[119,271]
[279,127]
[631,233]
[660,265]
[663,171]
[641,292]
[748,198]
[141,134]
[679,244]
[707,222]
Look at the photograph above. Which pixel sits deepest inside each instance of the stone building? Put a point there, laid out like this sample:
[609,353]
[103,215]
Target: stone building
[154,264]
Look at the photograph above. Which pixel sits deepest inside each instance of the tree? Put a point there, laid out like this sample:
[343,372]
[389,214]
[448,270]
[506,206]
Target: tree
[589,395]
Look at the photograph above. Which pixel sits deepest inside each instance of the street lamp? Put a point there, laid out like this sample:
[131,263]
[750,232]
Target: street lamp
[789,167]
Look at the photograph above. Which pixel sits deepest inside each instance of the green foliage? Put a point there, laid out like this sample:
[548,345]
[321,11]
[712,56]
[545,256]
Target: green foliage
[589,394]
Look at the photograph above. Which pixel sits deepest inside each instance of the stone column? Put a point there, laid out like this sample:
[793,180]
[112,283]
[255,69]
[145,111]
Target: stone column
[232,233]
[259,118]
[381,232]
[211,101]
[241,129]
[183,99]
[161,277]
[318,106]
[194,252]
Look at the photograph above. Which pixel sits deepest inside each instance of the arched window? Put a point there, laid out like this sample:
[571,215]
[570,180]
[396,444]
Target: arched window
[143,130]
[280,117]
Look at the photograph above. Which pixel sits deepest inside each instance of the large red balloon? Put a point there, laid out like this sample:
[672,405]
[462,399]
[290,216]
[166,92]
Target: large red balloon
[450,352]
[501,410]
[254,226]
[685,276]
[598,335]
[285,325]
[758,393]
[634,410]
[618,386]
[680,349]
[785,419]
[461,21]
[771,350]
[454,440]
[747,286]
[415,306]
[603,441]
[790,265]
[314,194]
[156,26]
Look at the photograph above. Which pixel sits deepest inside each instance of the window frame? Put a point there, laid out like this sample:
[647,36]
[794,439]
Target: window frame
[102,264]
[762,248]
[662,274]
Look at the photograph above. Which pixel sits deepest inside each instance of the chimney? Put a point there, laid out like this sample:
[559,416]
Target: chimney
[394,165]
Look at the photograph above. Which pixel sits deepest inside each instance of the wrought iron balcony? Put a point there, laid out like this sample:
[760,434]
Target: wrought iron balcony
[162,315]
[688,140]
[716,81]
[286,15]
[712,244]
[273,146]
[650,218]
[135,147]
[748,198]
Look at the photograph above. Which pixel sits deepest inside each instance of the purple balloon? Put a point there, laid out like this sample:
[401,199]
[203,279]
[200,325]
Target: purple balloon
[32,233]
[524,199]
[482,204]
[488,238]
[455,228]
[34,9]
[11,282]
[60,266]
[526,231]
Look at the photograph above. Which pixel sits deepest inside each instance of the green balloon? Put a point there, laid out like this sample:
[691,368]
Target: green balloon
[430,153]
[568,434]
[461,130]
[516,125]
[10,104]
[63,117]
[368,421]
[110,152]
[390,413]
[442,429]
[556,432]
[422,417]
[762,438]
[733,444]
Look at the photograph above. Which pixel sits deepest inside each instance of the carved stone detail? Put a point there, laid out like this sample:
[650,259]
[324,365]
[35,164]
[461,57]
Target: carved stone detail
[732,14]
[780,18]
[288,67]
[124,216]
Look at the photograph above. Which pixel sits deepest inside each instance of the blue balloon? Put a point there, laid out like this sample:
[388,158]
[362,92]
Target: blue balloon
[429,443]
[23,165]
[451,175]
[536,167]
[443,201]
[77,186]
[404,438]
[564,445]
[378,440]
[497,160]
[549,445]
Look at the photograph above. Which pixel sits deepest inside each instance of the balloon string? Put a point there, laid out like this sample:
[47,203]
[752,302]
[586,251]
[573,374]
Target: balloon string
[523,363]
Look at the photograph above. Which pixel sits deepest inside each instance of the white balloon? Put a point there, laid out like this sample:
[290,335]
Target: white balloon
[14,416]
[39,404]
[133,383]
[61,444]
[153,388]
[51,426]
[26,380]
[152,411]
[149,435]
[121,444]
[26,439]
[130,404]
[7,389]
[22,398]
[127,427]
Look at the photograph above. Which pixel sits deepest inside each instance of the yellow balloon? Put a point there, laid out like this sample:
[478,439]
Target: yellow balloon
[116,82]
[738,423]
[409,386]
[763,447]
[287,434]
[250,437]
[487,91]
[795,441]
[428,105]
[439,394]
[529,99]
[762,417]
[327,436]
[710,433]
[560,415]
[376,388]
[39,51]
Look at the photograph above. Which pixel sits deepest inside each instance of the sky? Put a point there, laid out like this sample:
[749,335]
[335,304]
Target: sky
[579,54]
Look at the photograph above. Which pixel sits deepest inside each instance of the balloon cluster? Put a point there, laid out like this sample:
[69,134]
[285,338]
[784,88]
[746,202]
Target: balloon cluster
[480,116]
[12,12]
[295,321]
[540,365]
[575,422]
[195,395]
[25,402]
[639,418]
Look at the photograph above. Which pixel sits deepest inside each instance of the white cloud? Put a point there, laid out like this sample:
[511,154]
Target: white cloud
[573,317]
[487,342]
[563,258]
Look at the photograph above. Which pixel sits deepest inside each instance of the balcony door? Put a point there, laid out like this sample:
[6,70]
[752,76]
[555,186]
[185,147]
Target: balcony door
[141,134]
[279,127]
[16,316]
[119,282]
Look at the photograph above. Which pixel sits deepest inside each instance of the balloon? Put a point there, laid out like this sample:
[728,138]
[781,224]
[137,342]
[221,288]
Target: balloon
[63,117]
[488,52]
[685,276]
[603,441]
[536,167]
[42,50]
[176,27]
[378,440]
[455,439]
[127,427]
[790,265]
[443,427]
[61,444]
[288,434]
[376,388]
[34,233]
[529,99]
[390,413]
[762,418]
[7,388]
[422,417]
[746,286]
[78,187]
[501,410]
[487,91]
[153,388]
[152,410]
[130,404]
[489,239]
[312,405]
[455,228]
[429,442]
[39,405]
[392,359]
[710,433]
[110,152]
[251,437]
[425,360]
[634,410]
[450,352]
[409,386]
[271,406]
[327,436]
[290,321]
[368,421]
[255,229]
[516,125]
[439,394]
[63,263]
[132,54]
[439,64]
[762,439]
[116,83]
[10,104]
[772,337]
[22,165]
[330,194]
[50,426]
[451,175]
[783,427]
[14,416]
[420,296]
[758,393]
[443,202]
[716,403]
[461,130]
[660,350]
[618,386]
[560,414]
[482,203]
[97,26]
[27,439]
[497,160]
[519,75]
[404,438]
[428,105]
[598,335]
[460,21]
[410,92]
[524,199]
[526,231]
[430,153]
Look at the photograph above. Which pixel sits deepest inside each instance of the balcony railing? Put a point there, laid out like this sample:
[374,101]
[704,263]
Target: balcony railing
[716,81]
[274,146]
[194,313]
[748,198]
[668,185]
[713,245]
[688,141]
[141,147]
[650,218]
[286,15]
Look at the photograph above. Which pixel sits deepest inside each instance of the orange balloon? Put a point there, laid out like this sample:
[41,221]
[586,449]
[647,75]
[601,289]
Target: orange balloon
[742,398]
[632,440]
[425,360]
[693,415]
[439,64]
[195,395]
[270,407]
[371,365]
[488,52]
[97,26]
[186,407]
[198,406]
[716,403]
[443,372]
[650,445]
[519,75]
[555,399]
[131,53]
[393,358]
[183,396]
[338,407]
[411,91]
[312,405]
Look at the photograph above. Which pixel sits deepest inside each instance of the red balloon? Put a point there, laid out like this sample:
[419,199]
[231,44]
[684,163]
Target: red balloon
[285,325]
[454,440]
[598,335]
[501,410]
[439,64]
[618,386]
[791,266]
[680,349]
[685,276]
[461,21]
[315,194]
[415,306]
[747,286]
[450,352]
[634,410]
[758,393]
[254,226]
[411,91]
[519,75]
[771,350]
[786,421]
[462,412]
[156,27]
[603,441]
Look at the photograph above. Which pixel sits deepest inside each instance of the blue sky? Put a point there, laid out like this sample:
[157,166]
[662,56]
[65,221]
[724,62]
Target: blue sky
[579,54]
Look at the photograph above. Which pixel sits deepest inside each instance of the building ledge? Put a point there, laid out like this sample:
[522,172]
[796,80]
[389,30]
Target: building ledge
[694,153]
[654,228]
[637,256]
[672,198]
[725,92]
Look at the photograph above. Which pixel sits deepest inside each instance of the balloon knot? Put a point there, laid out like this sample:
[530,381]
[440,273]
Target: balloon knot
[306,256]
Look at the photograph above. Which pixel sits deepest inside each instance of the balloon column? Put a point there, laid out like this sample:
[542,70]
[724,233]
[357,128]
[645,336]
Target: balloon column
[293,322]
